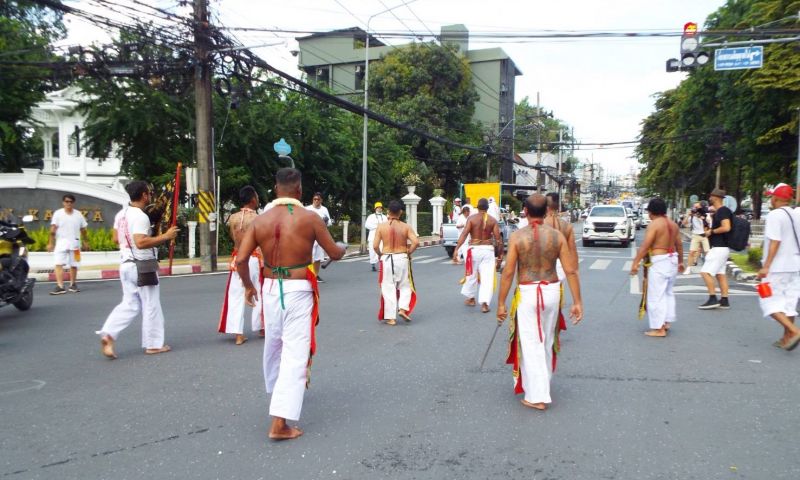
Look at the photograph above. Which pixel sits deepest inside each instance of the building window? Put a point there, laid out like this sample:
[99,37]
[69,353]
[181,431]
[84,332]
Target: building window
[323,75]
[74,145]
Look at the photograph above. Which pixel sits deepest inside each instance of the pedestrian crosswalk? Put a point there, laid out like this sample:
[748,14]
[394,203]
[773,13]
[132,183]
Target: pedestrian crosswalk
[621,264]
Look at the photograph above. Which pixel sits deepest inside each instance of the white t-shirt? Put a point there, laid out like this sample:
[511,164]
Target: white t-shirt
[68,229]
[697,225]
[373,221]
[322,211]
[132,221]
[778,226]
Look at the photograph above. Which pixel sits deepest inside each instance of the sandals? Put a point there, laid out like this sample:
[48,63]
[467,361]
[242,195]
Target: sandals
[156,351]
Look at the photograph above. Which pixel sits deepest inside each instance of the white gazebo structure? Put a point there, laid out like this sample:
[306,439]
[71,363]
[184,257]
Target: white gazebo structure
[61,127]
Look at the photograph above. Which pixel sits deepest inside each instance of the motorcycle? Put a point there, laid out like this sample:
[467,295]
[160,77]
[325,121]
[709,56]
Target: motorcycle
[15,286]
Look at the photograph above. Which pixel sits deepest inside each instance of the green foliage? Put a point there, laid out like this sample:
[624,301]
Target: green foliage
[424,223]
[754,256]
[745,120]
[27,31]
[101,240]
[40,236]
[508,199]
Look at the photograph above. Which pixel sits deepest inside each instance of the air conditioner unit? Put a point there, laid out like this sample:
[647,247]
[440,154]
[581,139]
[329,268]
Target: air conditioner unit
[503,88]
[321,71]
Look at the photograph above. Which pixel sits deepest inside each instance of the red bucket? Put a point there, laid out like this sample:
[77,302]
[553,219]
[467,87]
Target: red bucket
[764,290]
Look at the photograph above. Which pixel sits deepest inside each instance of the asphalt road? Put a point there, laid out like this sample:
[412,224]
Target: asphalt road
[713,401]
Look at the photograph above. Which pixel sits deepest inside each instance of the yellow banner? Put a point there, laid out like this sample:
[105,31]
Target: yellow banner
[475,191]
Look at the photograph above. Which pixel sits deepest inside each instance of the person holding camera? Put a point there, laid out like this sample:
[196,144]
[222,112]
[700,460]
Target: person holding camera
[699,222]
[319,253]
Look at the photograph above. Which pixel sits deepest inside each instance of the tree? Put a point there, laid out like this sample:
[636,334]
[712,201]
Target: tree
[27,31]
[429,87]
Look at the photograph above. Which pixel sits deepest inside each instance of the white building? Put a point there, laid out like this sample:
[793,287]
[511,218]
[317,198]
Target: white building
[60,127]
[532,169]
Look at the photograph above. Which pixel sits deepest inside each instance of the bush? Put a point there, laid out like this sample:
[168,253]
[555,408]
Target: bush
[754,255]
[99,239]
[424,223]
[40,237]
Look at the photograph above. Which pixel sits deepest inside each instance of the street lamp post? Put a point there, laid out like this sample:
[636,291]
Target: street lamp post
[366,120]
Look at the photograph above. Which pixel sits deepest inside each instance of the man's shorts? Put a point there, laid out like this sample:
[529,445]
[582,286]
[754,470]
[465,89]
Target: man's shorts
[697,242]
[785,293]
[716,261]
[65,258]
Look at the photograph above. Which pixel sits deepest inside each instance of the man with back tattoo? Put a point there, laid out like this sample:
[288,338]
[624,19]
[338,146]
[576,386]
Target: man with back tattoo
[532,255]
[394,277]
[480,264]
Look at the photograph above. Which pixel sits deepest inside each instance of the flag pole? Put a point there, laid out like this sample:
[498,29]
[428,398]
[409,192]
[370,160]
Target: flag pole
[175,195]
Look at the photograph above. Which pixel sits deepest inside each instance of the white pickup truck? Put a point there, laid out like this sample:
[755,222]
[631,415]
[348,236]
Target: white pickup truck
[449,233]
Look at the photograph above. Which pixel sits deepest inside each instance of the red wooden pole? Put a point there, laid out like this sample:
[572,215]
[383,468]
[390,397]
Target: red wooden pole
[174,221]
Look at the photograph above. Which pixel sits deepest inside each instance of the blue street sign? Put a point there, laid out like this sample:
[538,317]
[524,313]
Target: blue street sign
[739,58]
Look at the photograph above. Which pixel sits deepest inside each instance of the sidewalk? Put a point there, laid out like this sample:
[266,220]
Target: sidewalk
[180,266]
[731,268]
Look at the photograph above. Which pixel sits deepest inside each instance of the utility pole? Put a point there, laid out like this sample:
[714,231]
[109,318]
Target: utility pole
[560,145]
[539,139]
[797,183]
[203,125]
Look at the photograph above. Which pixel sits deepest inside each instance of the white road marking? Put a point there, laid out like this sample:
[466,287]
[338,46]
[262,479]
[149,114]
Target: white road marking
[17,386]
[430,260]
[635,290]
[600,265]
[627,266]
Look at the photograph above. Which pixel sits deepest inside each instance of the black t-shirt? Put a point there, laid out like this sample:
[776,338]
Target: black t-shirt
[720,239]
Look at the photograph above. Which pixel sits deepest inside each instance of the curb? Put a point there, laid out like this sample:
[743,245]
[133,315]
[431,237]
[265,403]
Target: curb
[738,274]
[110,274]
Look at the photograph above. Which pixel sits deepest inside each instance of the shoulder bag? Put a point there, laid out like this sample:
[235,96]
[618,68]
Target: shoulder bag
[146,270]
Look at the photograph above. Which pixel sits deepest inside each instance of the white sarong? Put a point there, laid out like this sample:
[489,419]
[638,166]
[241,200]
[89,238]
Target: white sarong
[287,344]
[536,364]
[234,304]
[660,282]
[483,274]
[394,278]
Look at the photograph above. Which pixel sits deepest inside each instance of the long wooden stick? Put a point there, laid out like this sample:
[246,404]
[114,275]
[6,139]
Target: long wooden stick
[175,195]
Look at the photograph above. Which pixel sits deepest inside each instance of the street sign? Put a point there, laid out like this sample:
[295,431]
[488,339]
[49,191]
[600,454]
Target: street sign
[739,58]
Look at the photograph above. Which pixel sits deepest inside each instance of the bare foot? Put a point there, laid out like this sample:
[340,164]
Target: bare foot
[107,346]
[656,333]
[391,321]
[285,433]
[538,406]
[485,307]
[470,302]
[156,351]
[404,314]
[240,339]
[667,326]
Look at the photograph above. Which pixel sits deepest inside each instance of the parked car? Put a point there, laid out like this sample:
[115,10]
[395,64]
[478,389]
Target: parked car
[449,233]
[608,223]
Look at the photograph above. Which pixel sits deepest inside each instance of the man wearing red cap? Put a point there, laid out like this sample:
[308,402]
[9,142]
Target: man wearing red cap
[781,264]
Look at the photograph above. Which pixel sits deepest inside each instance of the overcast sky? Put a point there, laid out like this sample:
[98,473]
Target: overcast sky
[602,87]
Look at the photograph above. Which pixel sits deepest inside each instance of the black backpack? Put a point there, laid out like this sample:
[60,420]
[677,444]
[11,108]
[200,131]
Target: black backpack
[739,234]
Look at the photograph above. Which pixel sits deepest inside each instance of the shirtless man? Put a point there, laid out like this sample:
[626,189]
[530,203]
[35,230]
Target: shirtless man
[232,315]
[553,220]
[286,233]
[395,279]
[661,242]
[481,263]
[532,255]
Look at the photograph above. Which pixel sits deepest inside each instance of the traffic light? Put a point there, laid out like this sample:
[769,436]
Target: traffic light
[692,54]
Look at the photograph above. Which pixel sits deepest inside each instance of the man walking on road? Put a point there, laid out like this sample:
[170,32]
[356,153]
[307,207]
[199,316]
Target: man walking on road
[717,257]
[663,249]
[481,262]
[532,255]
[699,222]
[232,315]
[319,253]
[373,220]
[286,234]
[136,243]
[461,222]
[781,264]
[67,238]
[396,281]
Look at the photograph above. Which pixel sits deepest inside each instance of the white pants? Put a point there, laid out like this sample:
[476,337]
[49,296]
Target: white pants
[394,278]
[287,344]
[660,297]
[318,254]
[716,261]
[536,364]
[483,266]
[785,292]
[562,275]
[462,252]
[373,257]
[65,258]
[136,300]
[234,321]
